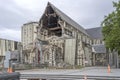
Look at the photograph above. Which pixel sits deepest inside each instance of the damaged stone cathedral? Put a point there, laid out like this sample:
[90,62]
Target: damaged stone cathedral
[68,41]
[60,40]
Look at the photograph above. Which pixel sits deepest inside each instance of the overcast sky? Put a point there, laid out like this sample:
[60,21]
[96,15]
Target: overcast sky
[14,13]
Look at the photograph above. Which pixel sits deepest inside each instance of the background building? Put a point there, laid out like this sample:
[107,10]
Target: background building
[7,45]
[28,35]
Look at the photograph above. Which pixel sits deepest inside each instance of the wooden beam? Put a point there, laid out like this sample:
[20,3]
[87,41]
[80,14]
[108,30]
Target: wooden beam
[55,28]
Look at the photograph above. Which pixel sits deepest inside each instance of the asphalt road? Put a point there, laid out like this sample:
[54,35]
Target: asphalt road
[89,71]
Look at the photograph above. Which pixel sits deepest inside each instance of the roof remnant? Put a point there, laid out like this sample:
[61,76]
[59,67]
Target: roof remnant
[67,19]
[95,33]
[99,48]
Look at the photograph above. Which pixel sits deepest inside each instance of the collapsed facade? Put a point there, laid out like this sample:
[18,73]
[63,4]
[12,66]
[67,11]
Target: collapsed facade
[68,41]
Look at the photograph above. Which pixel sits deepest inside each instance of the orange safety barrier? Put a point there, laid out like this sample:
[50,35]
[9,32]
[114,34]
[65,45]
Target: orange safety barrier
[108,68]
[9,70]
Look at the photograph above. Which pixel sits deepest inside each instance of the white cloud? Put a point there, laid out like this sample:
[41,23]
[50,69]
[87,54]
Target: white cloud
[32,5]
[10,7]
[14,13]
[10,34]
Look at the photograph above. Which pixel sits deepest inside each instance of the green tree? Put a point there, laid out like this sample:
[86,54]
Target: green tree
[111,28]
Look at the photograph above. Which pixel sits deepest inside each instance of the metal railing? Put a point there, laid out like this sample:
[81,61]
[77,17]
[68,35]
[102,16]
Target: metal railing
[67,77]
[10,76]
[18,76]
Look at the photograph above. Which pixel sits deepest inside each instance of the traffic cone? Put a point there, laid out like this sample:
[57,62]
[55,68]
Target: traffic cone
[9,70]
[85,77]
[109,70]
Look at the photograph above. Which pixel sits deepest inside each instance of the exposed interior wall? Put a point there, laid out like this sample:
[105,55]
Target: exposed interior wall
[49,22]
